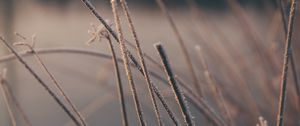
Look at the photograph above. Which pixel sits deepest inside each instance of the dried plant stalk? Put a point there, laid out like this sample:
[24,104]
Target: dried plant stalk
[53,79]
[182,45]
[126,64]
[142,61]
[177,91]
[282,97]
[120,86]
[35,75]
[90,6]
[293,65]
[6,98]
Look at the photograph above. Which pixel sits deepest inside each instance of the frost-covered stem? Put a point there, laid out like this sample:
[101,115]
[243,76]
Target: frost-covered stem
[127,64]
[177,91]
[183,47]
[142,61]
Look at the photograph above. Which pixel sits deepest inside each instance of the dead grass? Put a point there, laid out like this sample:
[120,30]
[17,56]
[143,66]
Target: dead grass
[226,83]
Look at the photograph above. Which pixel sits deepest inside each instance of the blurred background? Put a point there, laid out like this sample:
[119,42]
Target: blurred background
[90,80]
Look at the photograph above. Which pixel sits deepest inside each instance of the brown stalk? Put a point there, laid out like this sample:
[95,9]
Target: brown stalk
[293,65]
[52,78]
[36,76]
[90,6]
[6,98]
[176,90]
[210,114]
[282,97]
[142,61]
[127,64]
[120,86]
[182,45]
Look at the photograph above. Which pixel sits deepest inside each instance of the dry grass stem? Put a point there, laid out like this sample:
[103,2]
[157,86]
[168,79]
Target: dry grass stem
[282,97]
[36,76]
[50,75]
[120,85]
[90,6]
[293,65]
[182,45]
[177,91]
[127,64]
[142,61]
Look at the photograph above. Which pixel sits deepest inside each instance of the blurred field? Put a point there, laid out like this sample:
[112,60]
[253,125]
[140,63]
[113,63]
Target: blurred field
[89,79]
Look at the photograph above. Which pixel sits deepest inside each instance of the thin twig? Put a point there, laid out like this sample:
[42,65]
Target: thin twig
[52,78]
[6,98]
[142,61]
[120,85]
[51,93]
[126,64]
[177,91]
[182,45]
[293,65]
[282,97]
